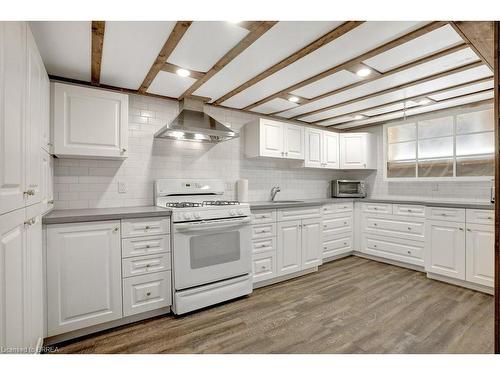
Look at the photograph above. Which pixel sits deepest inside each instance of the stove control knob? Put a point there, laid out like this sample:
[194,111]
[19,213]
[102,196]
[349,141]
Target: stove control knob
[232,212]
[240,212]
[197,215]
[187,216]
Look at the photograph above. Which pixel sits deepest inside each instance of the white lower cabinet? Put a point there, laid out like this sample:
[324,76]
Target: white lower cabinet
[146,292]
[479,254]
[401,250]
[21,298]
[83,275]
[311,243]
[445,248]
[264,266]
[289,247]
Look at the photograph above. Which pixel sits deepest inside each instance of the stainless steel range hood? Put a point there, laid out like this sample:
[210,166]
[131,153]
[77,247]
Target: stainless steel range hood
[192,124]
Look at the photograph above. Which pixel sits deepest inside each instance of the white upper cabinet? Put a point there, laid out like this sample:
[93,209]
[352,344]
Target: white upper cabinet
[46,139]
[89,123]
[12,115]
[269,138]
[321,149]
[358,151]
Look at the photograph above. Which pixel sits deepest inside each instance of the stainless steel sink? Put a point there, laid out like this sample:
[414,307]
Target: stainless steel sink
[285,201]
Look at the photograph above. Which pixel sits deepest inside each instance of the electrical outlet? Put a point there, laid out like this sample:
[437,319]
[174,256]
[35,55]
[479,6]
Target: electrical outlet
[229,186]
[122,187]
[435,187]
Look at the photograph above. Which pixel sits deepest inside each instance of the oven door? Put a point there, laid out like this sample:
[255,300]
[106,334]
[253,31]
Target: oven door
[210,251]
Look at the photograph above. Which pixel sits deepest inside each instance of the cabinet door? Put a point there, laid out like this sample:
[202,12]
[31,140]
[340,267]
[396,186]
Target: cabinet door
[445,249]
[352,151]
[83,275]
[294,142]
[330,150]
[480,251]
[313,148]
[45,131]
[12,279]
[34,120]
[34,305]
[312,241]
[89,122]
[289,247]
[12,122]
[271,139]
[47,181]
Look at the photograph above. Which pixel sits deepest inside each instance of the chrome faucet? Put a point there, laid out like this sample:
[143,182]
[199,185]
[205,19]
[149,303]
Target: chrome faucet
[275,190]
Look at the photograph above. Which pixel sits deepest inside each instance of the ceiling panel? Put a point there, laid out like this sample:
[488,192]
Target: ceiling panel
[170,84]
[129,50]
[330,83]
[423,70]
[205,43]
[362,39]
[390,108]
[338,120]
[425,45]
[290,36]
[420,89]
[65,47]
[274,105]
[464,90]
[420,110]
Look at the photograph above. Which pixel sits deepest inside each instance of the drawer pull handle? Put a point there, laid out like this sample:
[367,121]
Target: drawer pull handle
[409,252]
[148,227]
[374,224]
[345,243]
[490,218]
[375,208]
[262,267]
[148,265]
[409,228]
[148,294]
[409,210]
[374,245]
[324,247]
[147,246]
[461,229]
[263,231]
[345,222]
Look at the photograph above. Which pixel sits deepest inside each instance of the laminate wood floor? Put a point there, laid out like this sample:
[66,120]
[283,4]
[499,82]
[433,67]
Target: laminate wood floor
[352,305]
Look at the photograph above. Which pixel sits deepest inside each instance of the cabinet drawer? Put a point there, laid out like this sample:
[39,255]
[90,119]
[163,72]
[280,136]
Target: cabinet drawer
[299,213]
[145,264]
[147,292]
[264,230]
[395,249]
[409,229]
[264,244]
[333,208]
[145,226]
[381,208]
[137,246]
[408,210]
[337,245]
[480,216]
[263,216]
[264,266]
[445,213]
[336,225]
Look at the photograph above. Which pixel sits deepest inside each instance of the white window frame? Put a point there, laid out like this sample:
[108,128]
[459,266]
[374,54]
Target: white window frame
[415,120]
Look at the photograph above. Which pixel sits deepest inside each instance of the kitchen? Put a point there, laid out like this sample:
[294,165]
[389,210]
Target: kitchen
[206,192]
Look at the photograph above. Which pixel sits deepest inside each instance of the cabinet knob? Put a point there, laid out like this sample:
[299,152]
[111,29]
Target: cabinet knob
[461,229]
[49,144]
[490,218]
[148,246]
[324,247]
[374,245]
[116,229]
[409,252]
[29,192]
[124,150]
[345,222]
[148,227]
[148,294]
[51,201]
[374,224]
[262,267]
[469,230]
[148,265]
[345,243]
[409,228]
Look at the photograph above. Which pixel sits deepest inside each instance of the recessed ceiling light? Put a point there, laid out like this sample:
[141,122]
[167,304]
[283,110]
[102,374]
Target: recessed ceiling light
[293,99]
[359,117]
[183,72]
[424,101]
[364,72]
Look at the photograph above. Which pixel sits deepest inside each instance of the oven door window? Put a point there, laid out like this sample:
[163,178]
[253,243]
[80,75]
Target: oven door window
[212,249]
[348,188]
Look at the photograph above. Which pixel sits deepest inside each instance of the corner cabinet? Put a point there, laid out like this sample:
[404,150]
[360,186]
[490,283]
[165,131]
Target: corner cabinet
[89,123]
[321,149]
[358,151]
[269,138]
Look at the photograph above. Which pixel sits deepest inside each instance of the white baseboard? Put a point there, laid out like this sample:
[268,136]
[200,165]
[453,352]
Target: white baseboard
[336,257]
[284,278]
[389,261]
[462,283]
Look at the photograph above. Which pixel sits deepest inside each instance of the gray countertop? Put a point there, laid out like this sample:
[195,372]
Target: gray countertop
[98,214]
[317,202]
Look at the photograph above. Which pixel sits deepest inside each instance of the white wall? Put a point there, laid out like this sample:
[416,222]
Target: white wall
[94,183]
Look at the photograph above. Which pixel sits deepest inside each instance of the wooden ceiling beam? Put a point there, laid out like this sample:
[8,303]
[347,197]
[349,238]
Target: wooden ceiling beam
[479,36]
[429,93]
[395,88]
[98,28]
[359,59]
[468,105]
[311,47]
[173,39]
[246,42]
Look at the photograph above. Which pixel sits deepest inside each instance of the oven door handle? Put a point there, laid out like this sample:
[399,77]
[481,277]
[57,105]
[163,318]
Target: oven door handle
[211,225]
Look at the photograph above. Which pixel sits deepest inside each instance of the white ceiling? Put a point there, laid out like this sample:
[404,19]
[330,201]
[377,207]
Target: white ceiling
[130,48]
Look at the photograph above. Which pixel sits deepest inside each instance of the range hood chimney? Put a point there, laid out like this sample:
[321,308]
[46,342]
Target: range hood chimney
[192,124]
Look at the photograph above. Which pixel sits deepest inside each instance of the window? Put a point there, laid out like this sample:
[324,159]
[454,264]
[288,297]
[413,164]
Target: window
[447,147]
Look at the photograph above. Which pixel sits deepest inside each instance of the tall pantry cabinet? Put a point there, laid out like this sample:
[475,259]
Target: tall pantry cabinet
[25,187]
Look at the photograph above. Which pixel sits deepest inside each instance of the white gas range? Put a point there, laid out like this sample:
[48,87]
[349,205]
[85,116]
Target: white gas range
[211,242]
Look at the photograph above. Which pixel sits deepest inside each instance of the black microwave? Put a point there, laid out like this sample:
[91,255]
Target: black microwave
[348,189]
